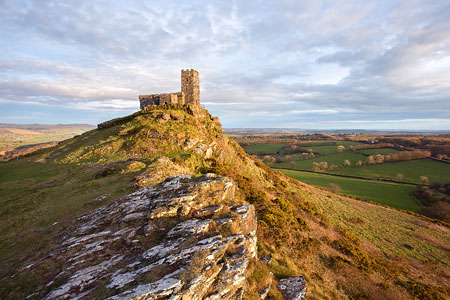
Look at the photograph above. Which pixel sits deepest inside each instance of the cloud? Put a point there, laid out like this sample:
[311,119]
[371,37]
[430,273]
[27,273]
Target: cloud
[264,61]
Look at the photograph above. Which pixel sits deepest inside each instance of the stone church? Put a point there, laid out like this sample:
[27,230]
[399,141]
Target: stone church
[190,92]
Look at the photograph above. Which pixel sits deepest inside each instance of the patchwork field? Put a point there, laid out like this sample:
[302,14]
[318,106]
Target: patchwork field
[386,193]
[337,159]
[379,151]
[17,135]
[331,149]
[263,148]
[411,170]
[312,156]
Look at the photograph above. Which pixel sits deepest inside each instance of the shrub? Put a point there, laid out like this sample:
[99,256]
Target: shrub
[422,291]
[323,165]
[332,167]
[424,180]
[335,188]
[269,159]
[399,177]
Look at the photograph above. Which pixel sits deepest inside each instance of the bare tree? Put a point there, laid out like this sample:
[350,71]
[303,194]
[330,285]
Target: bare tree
[315,167]
[379,158]
[332,167]
[323,165]
[370,160]
[269,159]
[424,180]
[335,188]
[400,177]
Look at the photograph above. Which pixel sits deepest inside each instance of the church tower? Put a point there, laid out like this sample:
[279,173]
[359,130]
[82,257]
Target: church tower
[190,86]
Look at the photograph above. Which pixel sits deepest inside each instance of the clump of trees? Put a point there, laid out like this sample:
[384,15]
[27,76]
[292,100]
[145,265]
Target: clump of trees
[372,146]
[442,156]
[293,148]
[400,156]
[319,166]
[435,144]
[269,159]
[436,199]
[307,155]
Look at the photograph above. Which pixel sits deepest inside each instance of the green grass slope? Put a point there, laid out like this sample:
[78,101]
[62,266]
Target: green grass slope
[346,249]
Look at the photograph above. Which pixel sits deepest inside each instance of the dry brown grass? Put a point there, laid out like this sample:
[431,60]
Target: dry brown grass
[22,131]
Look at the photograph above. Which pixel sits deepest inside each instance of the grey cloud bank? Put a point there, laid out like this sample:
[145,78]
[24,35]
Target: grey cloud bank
[304,64]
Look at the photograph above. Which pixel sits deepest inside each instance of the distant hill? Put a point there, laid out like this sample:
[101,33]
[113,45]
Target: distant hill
[15,138]
[242,131]
[40,127]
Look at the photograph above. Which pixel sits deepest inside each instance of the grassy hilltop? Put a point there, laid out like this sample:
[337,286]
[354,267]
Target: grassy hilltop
[345,248]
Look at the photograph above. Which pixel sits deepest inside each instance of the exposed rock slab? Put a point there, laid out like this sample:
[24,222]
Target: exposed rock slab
[167,241]
[293,288]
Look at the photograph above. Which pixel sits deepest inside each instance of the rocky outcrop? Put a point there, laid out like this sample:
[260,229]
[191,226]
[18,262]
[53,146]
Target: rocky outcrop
[185,238]
[293,288]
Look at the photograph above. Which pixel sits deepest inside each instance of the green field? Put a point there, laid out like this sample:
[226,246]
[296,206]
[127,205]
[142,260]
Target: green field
[337,159]
[332,149]
[263,148]
[391,194]
[379,151]
[411,170]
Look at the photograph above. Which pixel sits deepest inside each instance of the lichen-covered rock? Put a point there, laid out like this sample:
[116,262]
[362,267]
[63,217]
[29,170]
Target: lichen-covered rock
[293,288]
[167,241]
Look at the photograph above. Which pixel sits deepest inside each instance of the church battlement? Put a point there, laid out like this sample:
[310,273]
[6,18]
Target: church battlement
[190,92]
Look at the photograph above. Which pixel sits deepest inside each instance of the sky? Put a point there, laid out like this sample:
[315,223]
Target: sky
[262,64]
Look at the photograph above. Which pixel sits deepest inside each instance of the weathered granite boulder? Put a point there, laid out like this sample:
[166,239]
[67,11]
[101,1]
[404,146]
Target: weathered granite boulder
[293,288]
[185,238]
